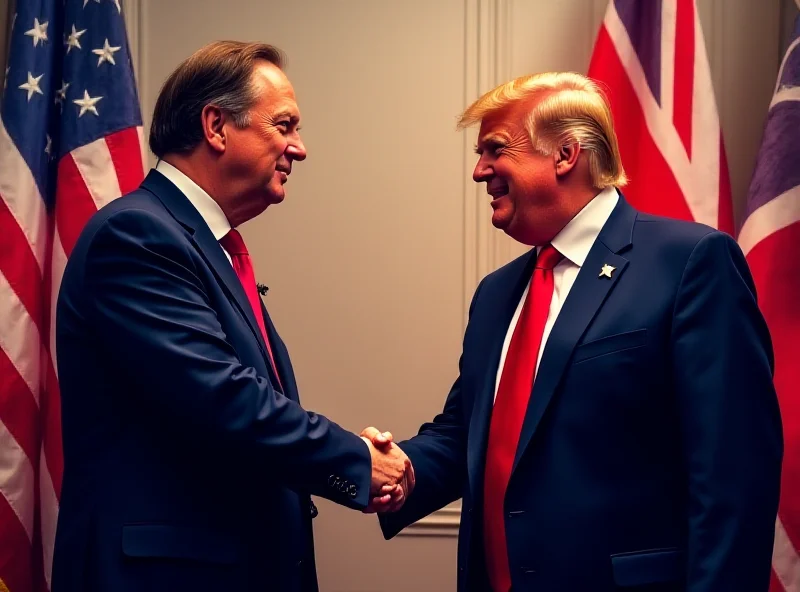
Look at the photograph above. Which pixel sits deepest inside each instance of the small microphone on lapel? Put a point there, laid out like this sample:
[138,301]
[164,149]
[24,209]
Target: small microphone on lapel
[262,289]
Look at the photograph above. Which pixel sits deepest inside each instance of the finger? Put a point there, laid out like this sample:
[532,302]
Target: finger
[378,439]
[370,433]
[379,500]
[396,504]
[376,504]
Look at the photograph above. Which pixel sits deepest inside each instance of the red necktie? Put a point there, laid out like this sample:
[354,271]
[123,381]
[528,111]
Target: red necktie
[233,243]
[511,403]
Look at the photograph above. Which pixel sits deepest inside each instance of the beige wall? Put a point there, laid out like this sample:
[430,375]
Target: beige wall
[374,255]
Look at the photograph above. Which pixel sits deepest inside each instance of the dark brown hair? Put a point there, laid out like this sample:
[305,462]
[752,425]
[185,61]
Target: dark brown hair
[217,74]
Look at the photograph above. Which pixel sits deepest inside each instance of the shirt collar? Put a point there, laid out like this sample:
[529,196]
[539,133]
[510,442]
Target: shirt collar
[208,209]
[576,239]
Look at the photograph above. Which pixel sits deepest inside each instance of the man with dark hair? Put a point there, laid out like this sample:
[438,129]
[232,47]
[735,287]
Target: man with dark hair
[188,459]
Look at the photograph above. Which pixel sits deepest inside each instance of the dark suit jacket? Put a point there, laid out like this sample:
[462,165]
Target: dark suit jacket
[651,449]
[184,468]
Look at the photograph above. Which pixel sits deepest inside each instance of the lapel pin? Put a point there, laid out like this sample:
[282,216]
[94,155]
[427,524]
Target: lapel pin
[606,271]
[262,289]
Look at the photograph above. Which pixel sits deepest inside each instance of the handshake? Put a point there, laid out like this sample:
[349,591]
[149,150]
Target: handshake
[392,473]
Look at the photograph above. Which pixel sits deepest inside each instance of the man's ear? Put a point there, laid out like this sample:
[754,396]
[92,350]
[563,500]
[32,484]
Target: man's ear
[566,158]
[213,120]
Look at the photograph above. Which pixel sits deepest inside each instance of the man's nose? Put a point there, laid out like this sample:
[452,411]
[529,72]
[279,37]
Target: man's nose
[296,150]
[483,171]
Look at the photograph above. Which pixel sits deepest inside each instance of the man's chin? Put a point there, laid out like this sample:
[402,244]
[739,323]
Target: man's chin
[515,231]
[276,195]
[501,220]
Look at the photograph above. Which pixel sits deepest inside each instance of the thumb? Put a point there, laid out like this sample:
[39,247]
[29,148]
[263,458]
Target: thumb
[369,432]
[375,436]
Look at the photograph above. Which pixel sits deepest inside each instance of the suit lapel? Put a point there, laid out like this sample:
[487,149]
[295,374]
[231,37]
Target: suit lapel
[185,213]
[494,335]
[585,298]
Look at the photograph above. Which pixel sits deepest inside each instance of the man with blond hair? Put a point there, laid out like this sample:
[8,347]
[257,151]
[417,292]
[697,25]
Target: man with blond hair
[614,424]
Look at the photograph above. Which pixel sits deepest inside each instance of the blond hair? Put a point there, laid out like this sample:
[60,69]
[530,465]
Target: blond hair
[572,109]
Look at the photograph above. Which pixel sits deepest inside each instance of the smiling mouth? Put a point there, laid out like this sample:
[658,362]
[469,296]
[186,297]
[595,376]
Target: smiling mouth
[498,193]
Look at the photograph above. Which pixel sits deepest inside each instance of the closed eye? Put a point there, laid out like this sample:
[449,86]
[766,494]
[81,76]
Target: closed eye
[493,147]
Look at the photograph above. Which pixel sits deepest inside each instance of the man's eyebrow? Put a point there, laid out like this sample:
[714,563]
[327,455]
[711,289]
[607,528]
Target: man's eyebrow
[493,138]
[287,113]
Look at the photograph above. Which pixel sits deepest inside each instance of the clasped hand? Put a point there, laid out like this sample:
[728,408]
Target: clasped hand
[392,473]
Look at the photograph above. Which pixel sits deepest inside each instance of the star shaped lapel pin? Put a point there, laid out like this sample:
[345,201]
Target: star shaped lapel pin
[606,271]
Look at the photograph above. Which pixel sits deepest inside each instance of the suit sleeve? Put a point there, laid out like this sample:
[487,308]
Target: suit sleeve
[145,302]
[730,420]
[439,456]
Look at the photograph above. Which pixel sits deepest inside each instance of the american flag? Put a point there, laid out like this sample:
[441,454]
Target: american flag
[651,58]
[770,238]
[70,141]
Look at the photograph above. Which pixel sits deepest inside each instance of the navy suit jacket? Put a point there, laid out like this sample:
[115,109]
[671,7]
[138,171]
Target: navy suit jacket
[184,467]
[651,449]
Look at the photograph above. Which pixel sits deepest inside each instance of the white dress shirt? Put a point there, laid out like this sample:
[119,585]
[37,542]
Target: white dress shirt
[574,242]
[205,205]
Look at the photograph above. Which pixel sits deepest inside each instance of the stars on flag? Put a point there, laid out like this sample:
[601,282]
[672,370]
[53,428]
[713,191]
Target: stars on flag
[32,86]
[61,94]
[38,33]
[87,103]
[106,53]
[73,39]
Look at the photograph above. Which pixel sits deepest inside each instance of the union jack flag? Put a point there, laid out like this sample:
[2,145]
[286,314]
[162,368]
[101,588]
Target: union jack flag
[770,238]
[651,57]
[70,141]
